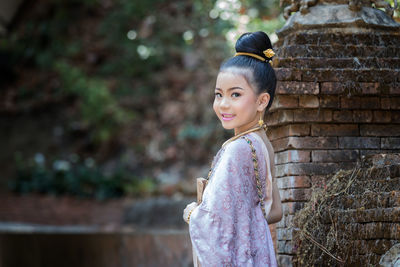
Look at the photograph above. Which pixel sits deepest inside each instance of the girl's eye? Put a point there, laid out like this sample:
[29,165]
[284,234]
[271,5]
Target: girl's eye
[218,95]
[235,94]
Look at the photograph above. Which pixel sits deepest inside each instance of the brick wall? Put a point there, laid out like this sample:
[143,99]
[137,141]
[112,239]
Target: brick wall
[337,100]
[357,216]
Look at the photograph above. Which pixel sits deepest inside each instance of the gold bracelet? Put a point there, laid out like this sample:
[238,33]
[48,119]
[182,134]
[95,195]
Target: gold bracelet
[190,213]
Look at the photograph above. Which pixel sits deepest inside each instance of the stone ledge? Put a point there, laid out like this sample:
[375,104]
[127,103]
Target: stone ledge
[338,63]
[340,51]
[305,142]
[326,18]
[312,168]
[328,38]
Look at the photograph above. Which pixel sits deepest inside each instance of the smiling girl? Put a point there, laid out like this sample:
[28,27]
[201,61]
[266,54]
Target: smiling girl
[230,226]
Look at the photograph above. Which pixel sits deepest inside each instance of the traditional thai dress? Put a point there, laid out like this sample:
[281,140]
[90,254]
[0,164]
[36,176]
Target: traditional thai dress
[228,227]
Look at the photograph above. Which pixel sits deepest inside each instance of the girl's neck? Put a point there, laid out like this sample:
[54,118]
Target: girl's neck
[246,128]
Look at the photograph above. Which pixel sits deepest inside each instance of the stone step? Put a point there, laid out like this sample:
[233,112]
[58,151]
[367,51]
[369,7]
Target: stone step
[348,39]
[353,62]
[338,51]
[42,247]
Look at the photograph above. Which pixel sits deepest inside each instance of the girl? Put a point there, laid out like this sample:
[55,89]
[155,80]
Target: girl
[230,226]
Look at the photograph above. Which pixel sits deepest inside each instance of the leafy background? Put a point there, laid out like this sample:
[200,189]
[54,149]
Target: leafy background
[104,98]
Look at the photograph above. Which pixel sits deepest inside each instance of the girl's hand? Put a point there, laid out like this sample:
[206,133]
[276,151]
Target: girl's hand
[188,209]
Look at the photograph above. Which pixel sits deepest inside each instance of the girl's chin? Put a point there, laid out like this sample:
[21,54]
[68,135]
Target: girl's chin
[227,128]
[227,125]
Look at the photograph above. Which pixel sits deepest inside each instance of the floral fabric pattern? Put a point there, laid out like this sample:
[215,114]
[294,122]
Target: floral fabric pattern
[228,228]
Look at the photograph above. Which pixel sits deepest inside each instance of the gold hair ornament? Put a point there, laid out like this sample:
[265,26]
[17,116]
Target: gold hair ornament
[268,53]
[250,55]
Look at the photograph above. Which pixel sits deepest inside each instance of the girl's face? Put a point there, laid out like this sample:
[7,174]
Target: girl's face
[236,103]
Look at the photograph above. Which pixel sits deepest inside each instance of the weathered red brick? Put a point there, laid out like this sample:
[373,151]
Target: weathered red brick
[380,130]
[281,223]
[284,260]
[279,117]
[297,194]
[312,115]
[332,88]
[395,102]
[288,130]
[343,116]
[310,168]
[285,247]
[323,75]
[292,156]
[308,101]
[382,116]
[299,88]
[370,103]
[334,155]
[353,76]
[369,88]
[287,74]
[369,200]
[390,143]
[334,130]
[395,89]
[395,116]
[285,234]
[363,215]
[306,142]
[362,115]
[284,101]
[286,182]
[292,207]
[350,102]
[359,142]
[385,103]
[364,153]
[329,101]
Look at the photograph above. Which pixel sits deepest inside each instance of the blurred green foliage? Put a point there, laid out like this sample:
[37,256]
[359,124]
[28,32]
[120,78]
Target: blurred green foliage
[123,62]
[98,107]
[77,178]
[131,42]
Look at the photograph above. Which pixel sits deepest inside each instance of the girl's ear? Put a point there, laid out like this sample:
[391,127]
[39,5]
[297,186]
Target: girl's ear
[263,100]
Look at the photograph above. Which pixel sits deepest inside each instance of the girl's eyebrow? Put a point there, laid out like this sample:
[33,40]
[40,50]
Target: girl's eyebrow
[230,89]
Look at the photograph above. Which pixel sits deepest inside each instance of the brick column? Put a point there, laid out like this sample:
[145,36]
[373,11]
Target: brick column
[337,99]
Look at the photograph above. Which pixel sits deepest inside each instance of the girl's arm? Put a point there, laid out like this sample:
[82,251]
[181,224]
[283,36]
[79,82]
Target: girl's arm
[276,213]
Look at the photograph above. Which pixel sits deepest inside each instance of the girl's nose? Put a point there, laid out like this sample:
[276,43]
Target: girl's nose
[224,103]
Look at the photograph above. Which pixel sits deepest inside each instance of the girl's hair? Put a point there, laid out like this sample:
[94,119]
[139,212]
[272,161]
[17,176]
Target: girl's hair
[257,73]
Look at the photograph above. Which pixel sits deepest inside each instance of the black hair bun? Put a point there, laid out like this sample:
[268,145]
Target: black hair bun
[254,42]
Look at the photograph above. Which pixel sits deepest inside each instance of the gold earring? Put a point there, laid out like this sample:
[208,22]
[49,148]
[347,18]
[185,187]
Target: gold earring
[262,124]
[261,121]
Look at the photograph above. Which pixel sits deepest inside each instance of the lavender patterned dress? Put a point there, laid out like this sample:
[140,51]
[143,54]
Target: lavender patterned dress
[228,228]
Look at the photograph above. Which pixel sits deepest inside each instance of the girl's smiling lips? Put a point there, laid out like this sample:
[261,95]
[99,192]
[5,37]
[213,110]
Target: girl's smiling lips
[227,117]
